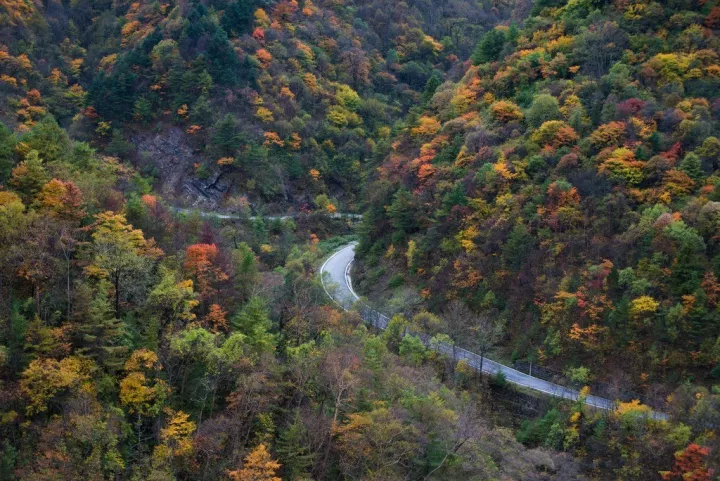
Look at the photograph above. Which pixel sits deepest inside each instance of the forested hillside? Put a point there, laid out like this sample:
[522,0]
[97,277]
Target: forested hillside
[280,102]
[538,182]
[141,345]
[568,184]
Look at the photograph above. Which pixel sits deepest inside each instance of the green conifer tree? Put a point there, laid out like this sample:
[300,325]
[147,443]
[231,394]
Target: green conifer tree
[292,451]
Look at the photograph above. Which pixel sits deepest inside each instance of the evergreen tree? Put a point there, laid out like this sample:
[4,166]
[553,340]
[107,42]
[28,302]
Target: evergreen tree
[518,246]
[29,176]
[118,145]
[201,111]
[15,338]
[238,17]
[692,166]
[7,149]
[7,461]
[50,140]
[489,47]
[246,271]
[100,334]
[430,87]
[113,96]
[402,212]
[196,24]
[226,139]
[143,111]
[248,72]
[222,59]
[253,320]
[456,196]
[292,451]
[83,156]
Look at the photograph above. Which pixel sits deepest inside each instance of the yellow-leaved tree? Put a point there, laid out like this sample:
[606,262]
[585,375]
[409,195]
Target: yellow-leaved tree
[258,466]
[140,391]
[119,252]
[46,379]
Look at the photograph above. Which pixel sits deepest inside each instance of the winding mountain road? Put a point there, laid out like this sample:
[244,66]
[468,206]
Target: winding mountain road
[336,280]
[335,276]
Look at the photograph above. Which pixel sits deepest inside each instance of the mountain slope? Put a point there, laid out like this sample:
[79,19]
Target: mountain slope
[284,101]
[568,183]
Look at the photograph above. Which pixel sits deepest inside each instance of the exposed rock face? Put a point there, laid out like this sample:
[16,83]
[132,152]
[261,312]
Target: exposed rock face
[171,154]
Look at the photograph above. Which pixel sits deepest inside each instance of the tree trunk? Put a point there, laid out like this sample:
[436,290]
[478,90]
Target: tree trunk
[69,304]
[117,294]
[186,371]
[454,360]
[36,288]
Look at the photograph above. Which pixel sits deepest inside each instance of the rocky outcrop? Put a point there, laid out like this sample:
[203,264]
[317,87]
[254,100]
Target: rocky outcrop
[170,154]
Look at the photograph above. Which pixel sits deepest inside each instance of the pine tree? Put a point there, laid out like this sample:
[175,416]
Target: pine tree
[294,454]
[7,148]
[226,140]
[100,334]
[430,87]
[245,270]
[489,47]
[16,337]
[222,58]
[29,176]
[113,96]
[402,211]
[118,145]
[253,320]
[143,111]
[50,140]
[518,246]
[692,166]
[7,461]
[238,16]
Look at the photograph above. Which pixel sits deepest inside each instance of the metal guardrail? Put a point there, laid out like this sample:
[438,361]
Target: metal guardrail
[475,361]
[602,389]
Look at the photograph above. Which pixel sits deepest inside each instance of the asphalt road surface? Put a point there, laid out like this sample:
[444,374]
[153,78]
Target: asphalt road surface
[220,215]
[335,275]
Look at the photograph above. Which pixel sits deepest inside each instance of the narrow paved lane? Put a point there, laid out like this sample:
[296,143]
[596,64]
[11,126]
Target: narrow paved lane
[220,215]
[335,276]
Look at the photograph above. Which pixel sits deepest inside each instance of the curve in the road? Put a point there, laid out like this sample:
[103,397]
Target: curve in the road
[335,278]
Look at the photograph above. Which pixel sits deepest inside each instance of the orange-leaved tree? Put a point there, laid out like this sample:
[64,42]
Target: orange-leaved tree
[689,465]
[62,200]
[200,263]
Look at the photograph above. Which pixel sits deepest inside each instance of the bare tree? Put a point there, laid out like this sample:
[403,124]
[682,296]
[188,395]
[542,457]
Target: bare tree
[468,426]
[488,332]
[357,66]
[67,245]
[602,45]
[339,373]
[458,324]
[480,332]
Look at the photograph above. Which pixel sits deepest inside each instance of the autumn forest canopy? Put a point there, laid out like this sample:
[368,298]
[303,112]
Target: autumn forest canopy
[534,181]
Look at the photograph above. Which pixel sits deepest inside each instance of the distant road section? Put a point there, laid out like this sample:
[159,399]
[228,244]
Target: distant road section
[218,215]
[335,276]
